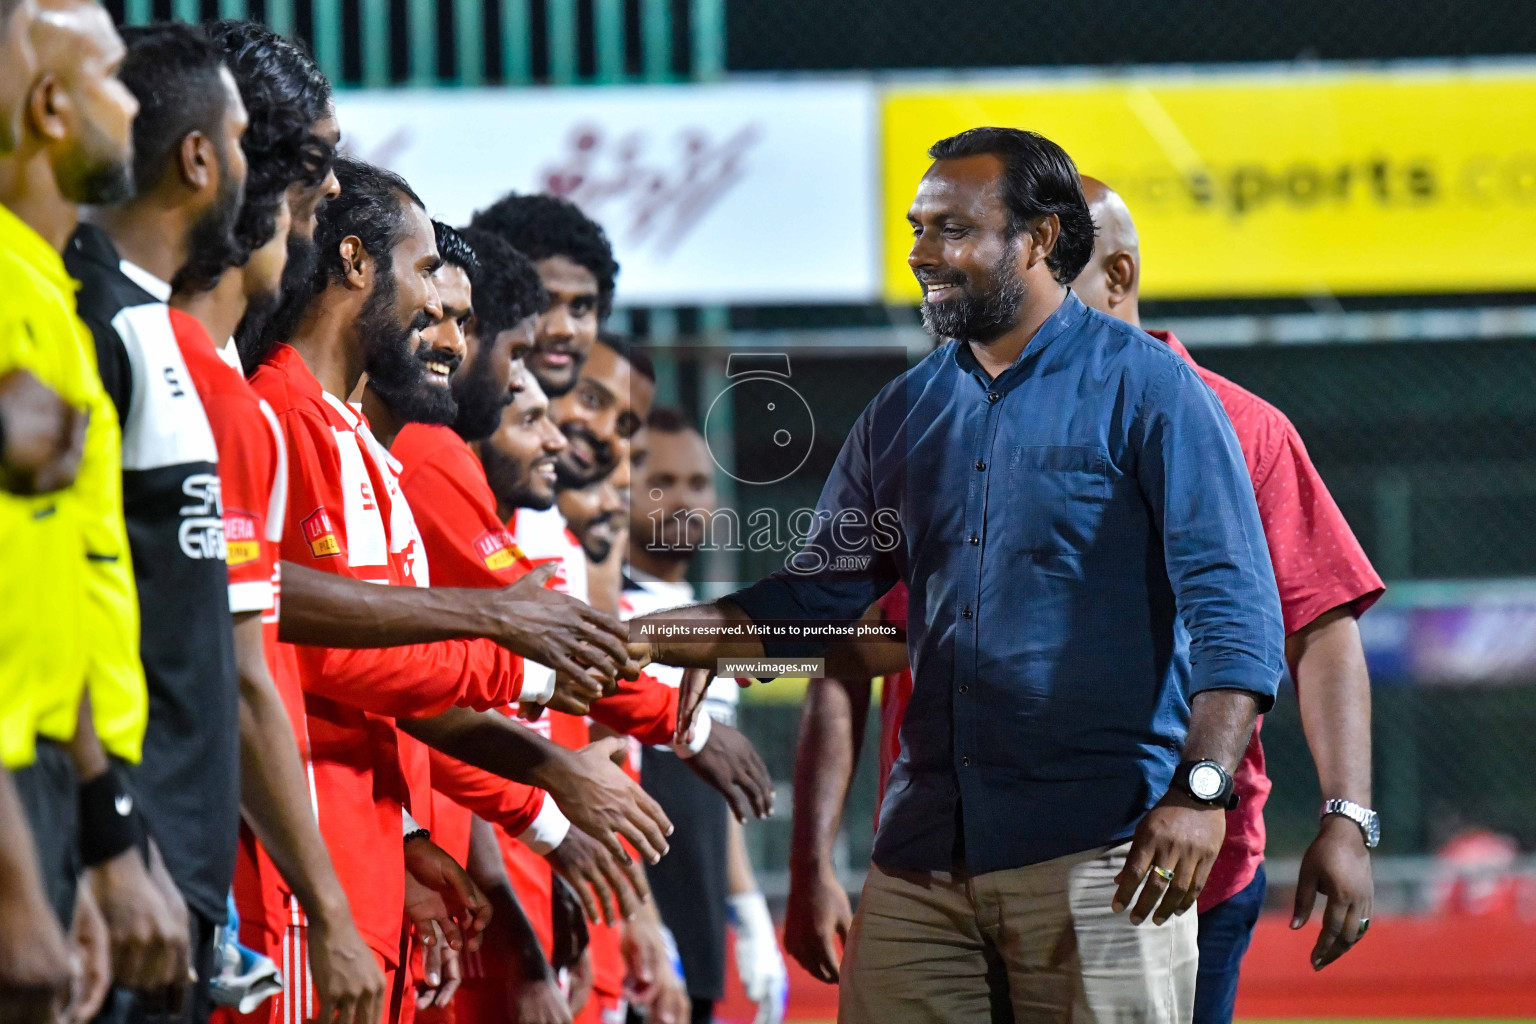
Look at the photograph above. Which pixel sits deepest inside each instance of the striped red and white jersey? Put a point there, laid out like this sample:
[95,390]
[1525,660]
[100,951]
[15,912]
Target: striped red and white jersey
[347,515]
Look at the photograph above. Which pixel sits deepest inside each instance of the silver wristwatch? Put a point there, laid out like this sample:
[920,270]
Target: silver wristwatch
[1368,820]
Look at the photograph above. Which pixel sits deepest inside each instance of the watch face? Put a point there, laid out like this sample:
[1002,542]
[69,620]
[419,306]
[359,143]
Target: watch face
[1205,781]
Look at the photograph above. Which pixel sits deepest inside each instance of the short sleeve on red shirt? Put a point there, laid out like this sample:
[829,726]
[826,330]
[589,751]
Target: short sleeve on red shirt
[252,473]
[1319,564]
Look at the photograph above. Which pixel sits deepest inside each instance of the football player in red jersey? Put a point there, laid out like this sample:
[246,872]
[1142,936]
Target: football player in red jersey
[283,102]
[601,413]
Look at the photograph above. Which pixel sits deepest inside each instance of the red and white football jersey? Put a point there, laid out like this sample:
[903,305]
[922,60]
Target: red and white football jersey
[347,515]
[253,476]
[469,546]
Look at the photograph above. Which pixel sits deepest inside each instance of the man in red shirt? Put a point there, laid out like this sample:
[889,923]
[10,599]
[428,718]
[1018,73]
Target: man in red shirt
[1325,583]
[457,511]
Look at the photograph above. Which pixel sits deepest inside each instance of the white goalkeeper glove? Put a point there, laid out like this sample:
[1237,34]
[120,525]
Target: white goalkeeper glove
[758,960]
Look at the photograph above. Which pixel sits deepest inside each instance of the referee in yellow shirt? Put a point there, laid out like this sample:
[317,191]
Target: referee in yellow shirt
[40,440]
[68,612]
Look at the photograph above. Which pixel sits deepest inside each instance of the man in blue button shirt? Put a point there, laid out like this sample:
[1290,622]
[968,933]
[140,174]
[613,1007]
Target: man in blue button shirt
[1095,622]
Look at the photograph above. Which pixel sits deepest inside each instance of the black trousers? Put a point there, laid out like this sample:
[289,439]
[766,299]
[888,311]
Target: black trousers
[49,798]
[690,882]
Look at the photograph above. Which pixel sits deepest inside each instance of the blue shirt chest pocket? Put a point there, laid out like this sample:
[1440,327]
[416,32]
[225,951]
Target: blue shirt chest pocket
[1049,499]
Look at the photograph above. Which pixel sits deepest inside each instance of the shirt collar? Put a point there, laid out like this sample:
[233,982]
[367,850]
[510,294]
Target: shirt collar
[359,423]
[144,279]
[231,356]
[1178,346]
[1066,316]
[33,249]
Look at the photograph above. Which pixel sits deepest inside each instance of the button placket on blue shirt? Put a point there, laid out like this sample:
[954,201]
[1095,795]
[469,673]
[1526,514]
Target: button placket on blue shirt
[968,615]
[993,396]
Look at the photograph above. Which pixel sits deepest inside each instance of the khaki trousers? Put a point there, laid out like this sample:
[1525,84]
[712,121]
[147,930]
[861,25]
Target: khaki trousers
[1034,944]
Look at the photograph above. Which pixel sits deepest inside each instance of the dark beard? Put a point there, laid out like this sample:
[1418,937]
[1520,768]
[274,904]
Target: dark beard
[211,246]
[396,372]
[264,327]
[980,318]
[569,477]
[597,549]
[480,403]
[511,483]
[260,307]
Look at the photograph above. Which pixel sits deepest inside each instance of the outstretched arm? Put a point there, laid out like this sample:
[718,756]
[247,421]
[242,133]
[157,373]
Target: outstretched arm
[593,792]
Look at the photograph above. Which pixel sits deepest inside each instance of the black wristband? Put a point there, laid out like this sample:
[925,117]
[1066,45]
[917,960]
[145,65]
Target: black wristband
[419,833]
[109,820]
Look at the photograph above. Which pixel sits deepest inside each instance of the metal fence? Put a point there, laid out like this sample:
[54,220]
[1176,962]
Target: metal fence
[380,43]
[423,42]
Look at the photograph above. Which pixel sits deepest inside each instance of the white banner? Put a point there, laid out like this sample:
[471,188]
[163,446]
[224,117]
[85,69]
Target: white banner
[739,193]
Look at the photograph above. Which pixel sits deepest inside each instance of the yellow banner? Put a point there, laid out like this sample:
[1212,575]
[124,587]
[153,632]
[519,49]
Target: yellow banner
[1349,183]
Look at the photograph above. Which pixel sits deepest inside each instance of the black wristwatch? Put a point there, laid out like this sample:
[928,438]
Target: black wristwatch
[1205,782]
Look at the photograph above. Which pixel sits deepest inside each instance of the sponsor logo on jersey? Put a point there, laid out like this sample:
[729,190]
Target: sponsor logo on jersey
[241,543]
[201,533]
[320,534]
[498,550]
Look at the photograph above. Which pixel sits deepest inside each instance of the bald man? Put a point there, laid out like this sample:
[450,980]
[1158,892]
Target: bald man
[1325,583]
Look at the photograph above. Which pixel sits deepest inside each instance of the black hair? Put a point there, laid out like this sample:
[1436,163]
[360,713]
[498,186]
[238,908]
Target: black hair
[541,226]
[506,285]
[455,250]
[285,93]
[625,349]
[1039,179]
[372,207]
[669,419]
[172,69]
